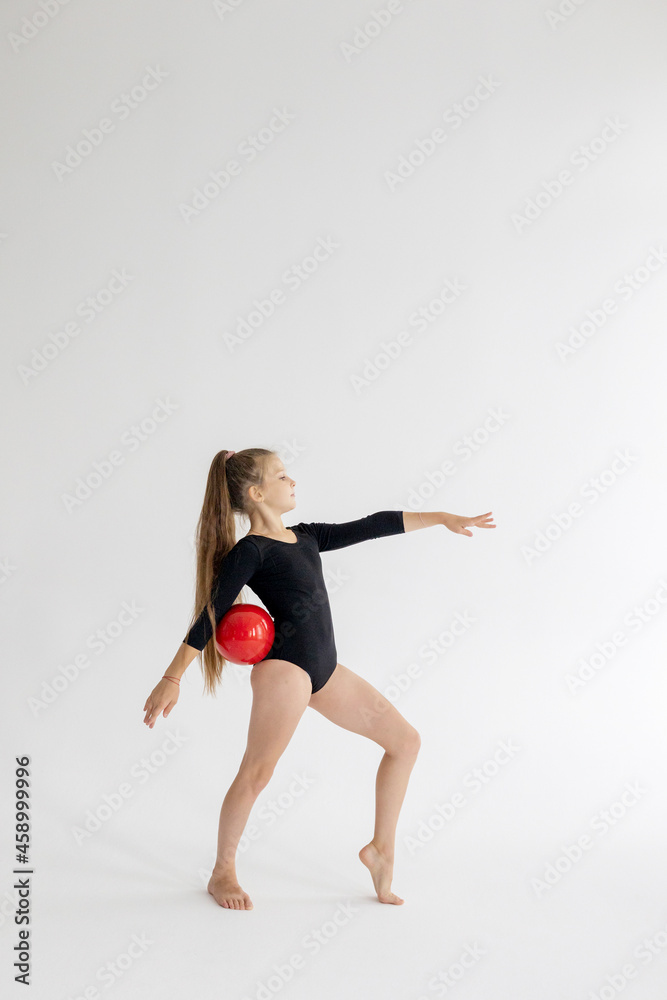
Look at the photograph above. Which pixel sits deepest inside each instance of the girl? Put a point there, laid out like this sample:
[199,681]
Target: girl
[283,567]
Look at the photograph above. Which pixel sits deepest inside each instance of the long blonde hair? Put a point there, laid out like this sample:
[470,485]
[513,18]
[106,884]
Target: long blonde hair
[226,494]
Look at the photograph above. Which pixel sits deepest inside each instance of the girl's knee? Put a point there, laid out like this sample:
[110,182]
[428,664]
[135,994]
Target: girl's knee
[408,742]
[256,775]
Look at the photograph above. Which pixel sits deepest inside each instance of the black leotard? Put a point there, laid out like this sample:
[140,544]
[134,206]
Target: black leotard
[287,578]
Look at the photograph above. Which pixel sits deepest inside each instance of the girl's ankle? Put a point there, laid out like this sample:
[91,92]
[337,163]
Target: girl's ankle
[223,870]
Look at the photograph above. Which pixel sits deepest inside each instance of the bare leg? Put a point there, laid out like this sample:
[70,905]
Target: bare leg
[390,786]
[353,703]
[280,694]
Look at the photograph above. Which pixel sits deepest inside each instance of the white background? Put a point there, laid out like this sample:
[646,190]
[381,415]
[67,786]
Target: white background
[364,408]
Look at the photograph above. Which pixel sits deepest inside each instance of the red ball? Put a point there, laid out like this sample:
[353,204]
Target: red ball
[245,634]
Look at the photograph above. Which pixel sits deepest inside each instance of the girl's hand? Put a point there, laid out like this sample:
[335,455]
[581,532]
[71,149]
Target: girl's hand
[163,696]
[459,524]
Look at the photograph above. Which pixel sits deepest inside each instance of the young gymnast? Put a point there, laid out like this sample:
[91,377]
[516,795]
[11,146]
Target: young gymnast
[283,567]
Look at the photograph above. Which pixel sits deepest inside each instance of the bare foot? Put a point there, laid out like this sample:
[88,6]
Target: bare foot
[227,892]
[382,871]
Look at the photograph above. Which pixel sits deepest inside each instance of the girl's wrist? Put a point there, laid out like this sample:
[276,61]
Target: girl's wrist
[432,517]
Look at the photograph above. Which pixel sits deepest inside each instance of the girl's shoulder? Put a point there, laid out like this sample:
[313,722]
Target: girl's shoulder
[246,551]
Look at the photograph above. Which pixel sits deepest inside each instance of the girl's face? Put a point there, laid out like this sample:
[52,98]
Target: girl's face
[278,487]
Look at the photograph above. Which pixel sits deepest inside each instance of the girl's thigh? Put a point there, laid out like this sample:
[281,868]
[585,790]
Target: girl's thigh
[352,703]
[280,694]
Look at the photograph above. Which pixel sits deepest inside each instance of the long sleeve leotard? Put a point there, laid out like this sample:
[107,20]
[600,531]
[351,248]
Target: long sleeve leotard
[287,577]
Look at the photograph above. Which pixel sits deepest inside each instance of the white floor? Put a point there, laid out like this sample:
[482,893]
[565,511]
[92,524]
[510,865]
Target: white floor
[125,912]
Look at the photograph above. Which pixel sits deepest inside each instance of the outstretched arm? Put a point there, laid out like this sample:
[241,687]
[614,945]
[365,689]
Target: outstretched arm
[455,522]
[337,536]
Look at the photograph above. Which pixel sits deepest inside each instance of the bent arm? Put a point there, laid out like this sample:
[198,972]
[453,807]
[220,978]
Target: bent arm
[236,569]
[184,657]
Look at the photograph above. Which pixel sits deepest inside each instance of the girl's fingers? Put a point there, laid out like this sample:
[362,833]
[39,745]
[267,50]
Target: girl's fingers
[153,709]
